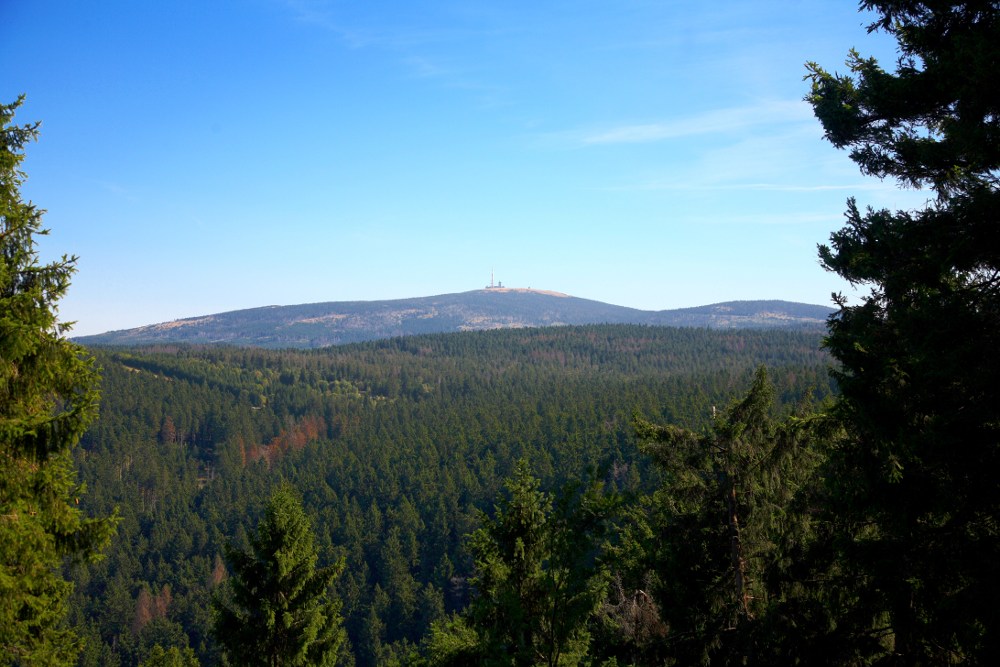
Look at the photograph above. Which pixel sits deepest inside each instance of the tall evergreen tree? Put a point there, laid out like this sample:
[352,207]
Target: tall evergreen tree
[278,610]
[537,582]
[716,533]
[48,396]
[914,494]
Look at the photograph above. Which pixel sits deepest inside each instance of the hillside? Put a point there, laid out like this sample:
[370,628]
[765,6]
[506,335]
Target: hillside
[335,323]
[395,446]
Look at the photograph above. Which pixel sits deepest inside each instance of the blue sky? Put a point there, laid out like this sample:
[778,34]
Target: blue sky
[201,157]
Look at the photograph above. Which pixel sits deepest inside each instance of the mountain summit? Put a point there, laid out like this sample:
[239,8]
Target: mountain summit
[338,322]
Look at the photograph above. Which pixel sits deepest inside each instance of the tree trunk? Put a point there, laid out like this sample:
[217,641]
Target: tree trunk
[736,557]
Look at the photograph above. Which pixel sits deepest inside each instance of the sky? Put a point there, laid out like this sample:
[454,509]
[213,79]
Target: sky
[202,157]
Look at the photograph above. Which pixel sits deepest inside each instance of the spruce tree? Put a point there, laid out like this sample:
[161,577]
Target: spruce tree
[914,497]
[536,583]
[276,609]
[716,533]
[48,396]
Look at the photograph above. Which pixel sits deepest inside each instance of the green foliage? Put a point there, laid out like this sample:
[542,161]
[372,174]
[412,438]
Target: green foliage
[537,581]
[932,121]
[704,552]
[764,536]
[451,642]
[277,610]
[913,498]
[48,396]
[395,446]
[172,657]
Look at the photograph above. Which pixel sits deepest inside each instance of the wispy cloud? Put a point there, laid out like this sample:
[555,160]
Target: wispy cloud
[768,218]
[319,14]
[424,67]
[758,187]
[712,122]
[418,44]
[118,190]
[359,28]
[759,162]
[442,74]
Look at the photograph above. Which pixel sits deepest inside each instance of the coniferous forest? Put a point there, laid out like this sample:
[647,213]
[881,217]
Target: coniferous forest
[395,448]
[594,495]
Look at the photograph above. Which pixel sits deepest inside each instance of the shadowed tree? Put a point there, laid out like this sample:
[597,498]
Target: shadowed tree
[913,488]
[715,534]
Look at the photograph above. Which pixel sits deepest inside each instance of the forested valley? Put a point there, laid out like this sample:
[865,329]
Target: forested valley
[395,447]
[598,495]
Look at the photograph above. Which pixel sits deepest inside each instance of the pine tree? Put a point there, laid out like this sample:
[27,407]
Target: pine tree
[914,497]
[48,396]
[278,610]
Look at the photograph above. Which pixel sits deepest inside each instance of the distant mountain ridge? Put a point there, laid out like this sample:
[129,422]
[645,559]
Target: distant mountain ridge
[334,323]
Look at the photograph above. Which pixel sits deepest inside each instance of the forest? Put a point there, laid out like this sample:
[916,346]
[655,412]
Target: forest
[396,448]
[597,495]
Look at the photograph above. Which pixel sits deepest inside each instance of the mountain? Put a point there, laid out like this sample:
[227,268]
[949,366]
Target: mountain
[334,323]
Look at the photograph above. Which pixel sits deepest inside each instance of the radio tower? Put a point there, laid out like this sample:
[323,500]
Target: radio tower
[493,284]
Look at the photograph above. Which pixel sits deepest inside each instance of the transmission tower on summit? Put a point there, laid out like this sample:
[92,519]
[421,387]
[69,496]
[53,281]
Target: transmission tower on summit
[493,285]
